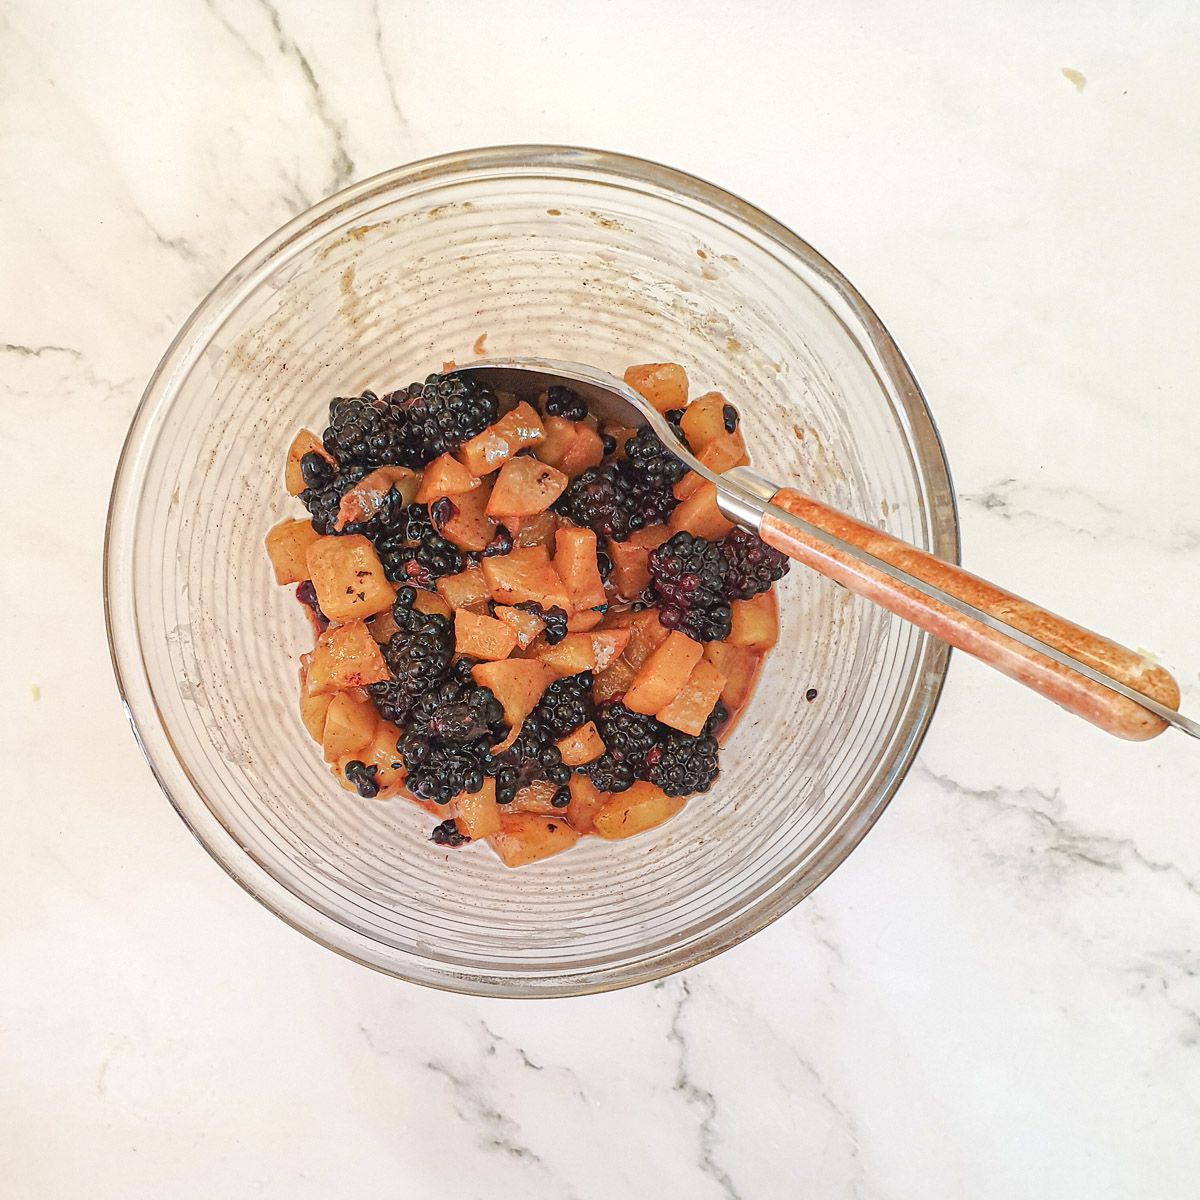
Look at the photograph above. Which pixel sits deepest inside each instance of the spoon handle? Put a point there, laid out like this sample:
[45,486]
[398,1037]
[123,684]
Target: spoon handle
[1086,697]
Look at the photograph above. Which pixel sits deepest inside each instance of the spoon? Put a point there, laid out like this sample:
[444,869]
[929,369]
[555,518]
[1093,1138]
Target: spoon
[1116,689]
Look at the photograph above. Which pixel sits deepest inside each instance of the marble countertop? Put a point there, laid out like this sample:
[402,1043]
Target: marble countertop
[998,994]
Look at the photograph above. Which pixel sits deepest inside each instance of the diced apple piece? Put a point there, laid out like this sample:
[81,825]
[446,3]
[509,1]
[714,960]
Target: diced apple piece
[663,674]
[381,753]
[575,562]
[582,746]
[739,665]
[526,625]
[573,654]
[755,622]
[498,443]
[695,702]
[646,634]
[630,570]
[313,709]
[688,486]
[703,420]
[383,627]
[482,637]
[613,683]
[581,622]
[287,544]
[634,811]
[518,683]
[305,442]
[470,528]
[366,497]
[462,590]
[349,725]
[535,797]
[476,813]
[651,537]
[609,644]
[430,603]
[348,577]
[525,574]
[665,385]
[700,516]
[446,476]
[724,451]
[560,433]
[587,450]
[537,530]
[526,837]
[345,656]
[586,801]
[524,488]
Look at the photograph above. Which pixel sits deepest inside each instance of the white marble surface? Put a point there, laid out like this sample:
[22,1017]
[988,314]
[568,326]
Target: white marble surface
[999,994]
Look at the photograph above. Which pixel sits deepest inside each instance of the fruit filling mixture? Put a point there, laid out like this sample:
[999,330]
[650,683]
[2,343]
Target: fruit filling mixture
[534,626]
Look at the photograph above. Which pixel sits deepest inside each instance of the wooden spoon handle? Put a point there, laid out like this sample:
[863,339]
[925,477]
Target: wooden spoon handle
[1076,693]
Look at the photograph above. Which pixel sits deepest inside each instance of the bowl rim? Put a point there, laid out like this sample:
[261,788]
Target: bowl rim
[525,160]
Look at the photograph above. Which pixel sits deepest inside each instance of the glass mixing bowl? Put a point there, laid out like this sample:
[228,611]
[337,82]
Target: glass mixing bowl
[517,251]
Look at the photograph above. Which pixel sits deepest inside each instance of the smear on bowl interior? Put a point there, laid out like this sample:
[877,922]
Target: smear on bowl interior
[534,626]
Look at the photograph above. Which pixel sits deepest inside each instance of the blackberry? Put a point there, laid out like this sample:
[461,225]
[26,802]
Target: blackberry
[414,551]
[628,737]
[687,575]
[363,778]
[649,464]
[418,658]
[307,595]
[442,413]
[608,444]
[554,618]
[729,415]
[437,772]
[446,834]
[682,765]
[561,798]
[563,402]
[565,705]
[458,712]
[501,543]
[602,499]
[716,718]
[365,431]
[604,563]
[326,486]
[753,565]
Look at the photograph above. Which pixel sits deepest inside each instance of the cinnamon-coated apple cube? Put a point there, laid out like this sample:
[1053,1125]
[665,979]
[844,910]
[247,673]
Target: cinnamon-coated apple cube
[526,625]
[287,545]
[518,683]
[464,589]
[537,796]
[641,807]
[663,674]
[381,753]
[476,813]
[345,656]
[575,562]
[646,634]
[581,622]
[665,385]
[583,746]
[613,682]
[703,420]
[609,644]
[739,665]
[573,654]
[469,527]
[313,709]
[537,530]
[366,497]
[482,637]
[631,570]
[526,837]
[305,442]
[755,622]
[587,450]
[348,577]
[525,575]
[487,451]
[524,488]
[586,801]
[700,516]
[696,700]
[445,476]
[350,724]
